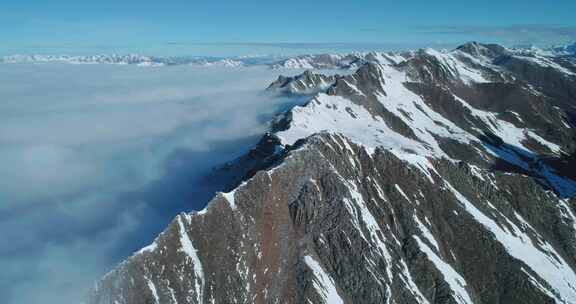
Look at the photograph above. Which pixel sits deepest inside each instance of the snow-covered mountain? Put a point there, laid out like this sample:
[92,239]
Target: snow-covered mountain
[335,61]
[227,62]
[93,59]
[132,59]
[557,50]
[321,61]
[317,62]
[565,49]
[437,177]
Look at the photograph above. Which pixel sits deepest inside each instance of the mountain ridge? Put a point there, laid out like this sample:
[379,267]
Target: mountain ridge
[428,180]
[317,61]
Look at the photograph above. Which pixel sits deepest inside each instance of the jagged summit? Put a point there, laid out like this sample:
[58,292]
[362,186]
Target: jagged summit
[306,83]
[479,49]
[439,178]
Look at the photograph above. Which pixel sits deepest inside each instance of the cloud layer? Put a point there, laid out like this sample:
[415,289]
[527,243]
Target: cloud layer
[96,159]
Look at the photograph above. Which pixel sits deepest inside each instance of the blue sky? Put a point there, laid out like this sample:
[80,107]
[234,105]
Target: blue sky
[159,27]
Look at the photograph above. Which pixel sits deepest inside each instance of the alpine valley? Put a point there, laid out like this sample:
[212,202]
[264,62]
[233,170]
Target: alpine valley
[416,177]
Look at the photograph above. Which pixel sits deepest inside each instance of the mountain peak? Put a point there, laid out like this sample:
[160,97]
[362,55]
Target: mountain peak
[477,49]
[436,180]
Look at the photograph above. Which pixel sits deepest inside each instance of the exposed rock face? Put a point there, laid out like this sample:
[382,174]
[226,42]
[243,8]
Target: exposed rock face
[307,83]
[439,179]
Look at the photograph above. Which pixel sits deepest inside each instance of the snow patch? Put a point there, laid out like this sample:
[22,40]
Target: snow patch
[229,196]
[544,261]
[453,278]
[188,248]
[426,233]
[149,248]
[323,282]
[152,288]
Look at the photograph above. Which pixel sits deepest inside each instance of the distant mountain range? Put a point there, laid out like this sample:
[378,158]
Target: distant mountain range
[320,61]
[433,177]
[132,59]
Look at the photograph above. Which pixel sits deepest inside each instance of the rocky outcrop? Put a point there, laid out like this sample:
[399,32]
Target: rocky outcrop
[307,83]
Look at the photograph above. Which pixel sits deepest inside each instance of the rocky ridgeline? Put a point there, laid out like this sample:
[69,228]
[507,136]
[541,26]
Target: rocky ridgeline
[307,83]
[446,177]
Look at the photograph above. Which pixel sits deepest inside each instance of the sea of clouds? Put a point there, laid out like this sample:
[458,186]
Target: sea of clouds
[95,160]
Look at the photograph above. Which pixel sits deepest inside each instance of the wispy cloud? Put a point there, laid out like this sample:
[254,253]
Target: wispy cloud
[97,159]
[316,47]
[289,45]
[515,34]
